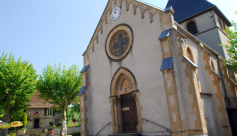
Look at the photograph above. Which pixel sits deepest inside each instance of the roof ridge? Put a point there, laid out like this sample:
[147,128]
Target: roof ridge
[150,5]
[186,8]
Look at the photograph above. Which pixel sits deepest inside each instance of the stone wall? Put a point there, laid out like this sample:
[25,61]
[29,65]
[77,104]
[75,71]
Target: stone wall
[43,120]
[70,130]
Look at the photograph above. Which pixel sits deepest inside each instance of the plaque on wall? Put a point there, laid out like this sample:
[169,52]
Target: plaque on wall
[125,109]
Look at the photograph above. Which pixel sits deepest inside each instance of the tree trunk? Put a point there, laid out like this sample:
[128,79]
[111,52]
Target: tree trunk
[63,121]
[7,120]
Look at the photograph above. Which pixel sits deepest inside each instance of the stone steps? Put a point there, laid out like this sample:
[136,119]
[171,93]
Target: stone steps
[33,131]
[143,134]
[126,134]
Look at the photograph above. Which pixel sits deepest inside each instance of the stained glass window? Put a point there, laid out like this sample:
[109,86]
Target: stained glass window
[119,43]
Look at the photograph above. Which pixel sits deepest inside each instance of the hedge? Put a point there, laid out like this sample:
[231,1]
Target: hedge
[76,133]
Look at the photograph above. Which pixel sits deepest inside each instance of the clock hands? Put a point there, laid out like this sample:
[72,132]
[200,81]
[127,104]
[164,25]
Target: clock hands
[115,13]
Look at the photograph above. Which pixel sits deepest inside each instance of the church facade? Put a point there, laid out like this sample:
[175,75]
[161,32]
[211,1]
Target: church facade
[146,74]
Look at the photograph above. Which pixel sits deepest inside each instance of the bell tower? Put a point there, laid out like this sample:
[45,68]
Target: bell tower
[204,20]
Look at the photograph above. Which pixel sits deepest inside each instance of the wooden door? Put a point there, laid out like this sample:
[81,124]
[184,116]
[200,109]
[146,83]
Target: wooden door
[233,120]
[129,113]
[36,123]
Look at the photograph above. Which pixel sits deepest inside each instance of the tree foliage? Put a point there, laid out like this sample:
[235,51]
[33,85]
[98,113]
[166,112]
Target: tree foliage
[72,113]
[20,117]
[60,87]
[24,119]
[232,47]
[76,106]
[17,85]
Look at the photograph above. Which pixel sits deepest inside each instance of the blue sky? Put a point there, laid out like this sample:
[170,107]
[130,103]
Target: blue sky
[58,31]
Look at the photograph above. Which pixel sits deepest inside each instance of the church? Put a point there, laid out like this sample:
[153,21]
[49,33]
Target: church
[154,72]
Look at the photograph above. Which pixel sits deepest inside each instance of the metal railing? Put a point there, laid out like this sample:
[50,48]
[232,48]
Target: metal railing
[156,124]
[97,134]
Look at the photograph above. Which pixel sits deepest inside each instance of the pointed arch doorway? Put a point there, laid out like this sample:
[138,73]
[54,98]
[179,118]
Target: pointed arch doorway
[129,113]
[125,108]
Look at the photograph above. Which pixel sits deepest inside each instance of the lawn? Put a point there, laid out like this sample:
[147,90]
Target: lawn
[71,124]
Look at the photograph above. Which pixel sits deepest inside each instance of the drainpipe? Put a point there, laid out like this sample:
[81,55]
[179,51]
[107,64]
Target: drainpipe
[222,79]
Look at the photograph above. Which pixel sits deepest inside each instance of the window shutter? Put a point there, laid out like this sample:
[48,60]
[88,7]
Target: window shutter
[45,111]
[53,112]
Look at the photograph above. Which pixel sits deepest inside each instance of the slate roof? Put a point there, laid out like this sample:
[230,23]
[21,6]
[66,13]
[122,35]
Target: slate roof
[82,90]
[164,34]
[166,63]
[187,8]
[84,69]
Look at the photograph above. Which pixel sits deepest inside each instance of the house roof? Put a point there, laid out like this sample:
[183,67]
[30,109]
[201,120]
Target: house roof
[39,103]
[186,9]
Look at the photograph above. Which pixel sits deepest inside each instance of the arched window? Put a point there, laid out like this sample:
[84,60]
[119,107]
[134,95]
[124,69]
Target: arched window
[220,23]
[189,54]
[192,28]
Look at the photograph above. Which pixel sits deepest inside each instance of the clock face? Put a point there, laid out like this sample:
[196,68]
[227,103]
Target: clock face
[115,13]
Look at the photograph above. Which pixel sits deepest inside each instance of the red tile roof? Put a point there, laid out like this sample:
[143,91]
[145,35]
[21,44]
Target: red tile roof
[38,103]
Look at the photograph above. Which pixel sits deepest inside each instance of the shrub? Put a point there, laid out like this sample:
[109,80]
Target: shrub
[54,126]
[1,117]
[58,124]
[23,128]
[11,134]
[24,119]
[78,124]
[39,134]
[76,133]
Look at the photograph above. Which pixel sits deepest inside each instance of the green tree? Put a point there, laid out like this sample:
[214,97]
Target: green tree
[17,85]
[232,47]
[1,114]
[60,87]
[76,106]
[70,114]
[20,117]
[76,110]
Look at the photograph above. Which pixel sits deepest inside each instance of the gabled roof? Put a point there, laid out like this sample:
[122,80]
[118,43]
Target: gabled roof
[185,9]
[137,3]
[38,103]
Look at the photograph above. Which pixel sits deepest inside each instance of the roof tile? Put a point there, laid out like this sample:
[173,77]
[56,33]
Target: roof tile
[39,103]
[187,8]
